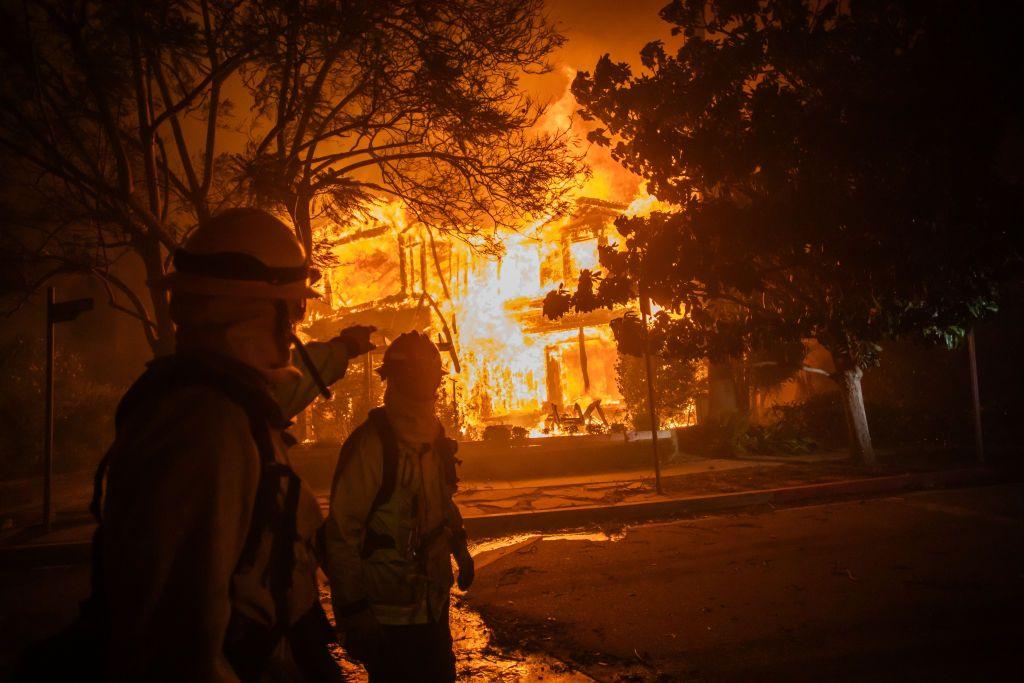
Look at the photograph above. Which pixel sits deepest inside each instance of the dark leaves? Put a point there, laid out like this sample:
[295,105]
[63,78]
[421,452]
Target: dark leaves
[557,304]
[837,167]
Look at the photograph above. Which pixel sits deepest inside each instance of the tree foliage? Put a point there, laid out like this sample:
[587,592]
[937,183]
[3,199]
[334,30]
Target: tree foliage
[842,171]
[84,409]
[117,132]
[676,385]
[109,118]
[416,100]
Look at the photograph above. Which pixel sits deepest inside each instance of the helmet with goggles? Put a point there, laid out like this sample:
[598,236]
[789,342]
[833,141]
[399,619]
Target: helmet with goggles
[411,353]
[242,252]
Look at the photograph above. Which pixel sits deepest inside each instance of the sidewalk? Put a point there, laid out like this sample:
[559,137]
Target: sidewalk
[549,493]
[646,506]
[689,476]
[691,486]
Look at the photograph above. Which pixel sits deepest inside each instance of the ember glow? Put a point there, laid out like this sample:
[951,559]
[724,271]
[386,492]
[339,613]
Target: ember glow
[507,364]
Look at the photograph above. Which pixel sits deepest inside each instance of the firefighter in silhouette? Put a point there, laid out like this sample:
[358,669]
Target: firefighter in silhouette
[393,527]
[204,564]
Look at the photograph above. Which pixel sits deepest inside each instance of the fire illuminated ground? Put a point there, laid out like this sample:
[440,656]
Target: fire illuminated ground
[924,586]
[479,660]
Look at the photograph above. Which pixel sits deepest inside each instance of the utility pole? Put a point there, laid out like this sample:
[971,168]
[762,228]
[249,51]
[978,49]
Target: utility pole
[979,441]
[56,312]
[645,310]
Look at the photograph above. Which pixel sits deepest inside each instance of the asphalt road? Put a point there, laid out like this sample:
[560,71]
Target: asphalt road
[926,586]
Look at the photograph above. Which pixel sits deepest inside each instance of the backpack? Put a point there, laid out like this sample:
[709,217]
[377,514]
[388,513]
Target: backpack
[78,651]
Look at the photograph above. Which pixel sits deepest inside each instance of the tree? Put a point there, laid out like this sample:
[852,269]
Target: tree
[676,386]
[415,100]
[84,410]
[109,119]
[847,172]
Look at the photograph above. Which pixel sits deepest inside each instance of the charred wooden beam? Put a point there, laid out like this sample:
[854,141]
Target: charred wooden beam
[583,361]
[534,322]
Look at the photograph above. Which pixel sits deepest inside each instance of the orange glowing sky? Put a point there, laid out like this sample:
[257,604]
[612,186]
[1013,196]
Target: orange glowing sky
[593,29]
[618,27]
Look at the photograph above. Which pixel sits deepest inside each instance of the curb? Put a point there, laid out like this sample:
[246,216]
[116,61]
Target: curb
[501,524]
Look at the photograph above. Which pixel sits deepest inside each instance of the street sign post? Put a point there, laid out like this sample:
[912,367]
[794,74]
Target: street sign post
[56,312]
[652,404]
[972,357]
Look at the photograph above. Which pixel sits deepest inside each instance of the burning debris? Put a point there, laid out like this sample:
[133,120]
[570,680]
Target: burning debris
[507,364]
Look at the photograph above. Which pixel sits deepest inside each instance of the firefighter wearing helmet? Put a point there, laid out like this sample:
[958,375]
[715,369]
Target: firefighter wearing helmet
[393,527]
[205,567]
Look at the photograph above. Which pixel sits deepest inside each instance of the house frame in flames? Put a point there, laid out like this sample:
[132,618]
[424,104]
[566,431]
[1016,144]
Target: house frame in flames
[507,363]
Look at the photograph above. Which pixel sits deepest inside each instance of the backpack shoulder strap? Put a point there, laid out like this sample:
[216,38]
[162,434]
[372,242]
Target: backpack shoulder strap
[389,451]
[447,448]
[347,453]
[378,422]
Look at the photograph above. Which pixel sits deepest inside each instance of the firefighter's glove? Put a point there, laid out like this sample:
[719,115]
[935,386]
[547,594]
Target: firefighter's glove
[363,637]
[467,568]
[356,339]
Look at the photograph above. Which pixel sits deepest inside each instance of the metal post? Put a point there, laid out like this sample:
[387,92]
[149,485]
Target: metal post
[48,417]
[64,311]
[645,306]
[979,443]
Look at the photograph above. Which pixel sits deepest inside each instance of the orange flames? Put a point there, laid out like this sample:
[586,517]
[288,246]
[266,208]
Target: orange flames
[508,362]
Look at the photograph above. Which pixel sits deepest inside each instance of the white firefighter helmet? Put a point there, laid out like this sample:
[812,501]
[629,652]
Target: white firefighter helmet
[242,252]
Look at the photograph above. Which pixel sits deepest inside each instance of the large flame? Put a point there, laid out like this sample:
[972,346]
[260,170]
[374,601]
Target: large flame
[512,363]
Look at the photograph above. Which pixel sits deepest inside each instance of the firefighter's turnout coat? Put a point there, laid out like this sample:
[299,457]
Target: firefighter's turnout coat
[194,567]
[393,524]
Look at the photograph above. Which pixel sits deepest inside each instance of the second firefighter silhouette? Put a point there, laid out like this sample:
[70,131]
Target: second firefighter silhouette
[393,526]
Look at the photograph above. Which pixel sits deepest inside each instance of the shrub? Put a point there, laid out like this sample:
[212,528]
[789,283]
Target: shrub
[83,410]
[676,384]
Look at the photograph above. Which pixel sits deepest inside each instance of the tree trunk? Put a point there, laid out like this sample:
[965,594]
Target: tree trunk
[722,404]
[303,223]
[856,416]
[743,389]
[152,259]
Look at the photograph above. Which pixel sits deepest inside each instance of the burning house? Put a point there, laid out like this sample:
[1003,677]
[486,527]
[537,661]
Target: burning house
[508,365]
